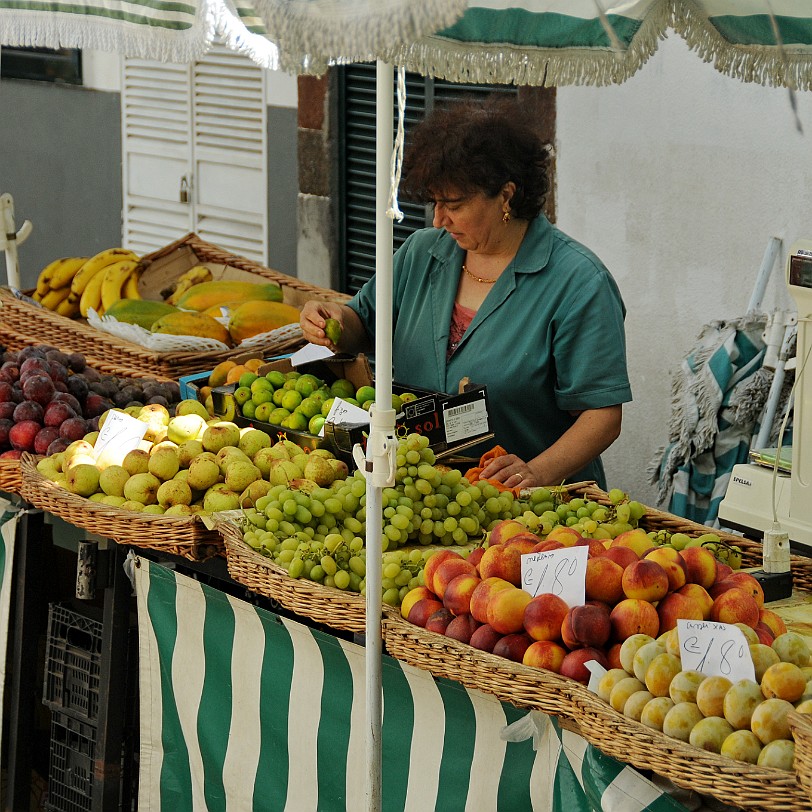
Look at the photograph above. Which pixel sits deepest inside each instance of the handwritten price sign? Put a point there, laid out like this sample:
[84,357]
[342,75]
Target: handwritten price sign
[715,649]
[561,572]
[119,435]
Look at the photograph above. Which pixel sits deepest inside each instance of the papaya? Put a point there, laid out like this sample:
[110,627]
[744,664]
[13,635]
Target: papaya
[204,295]
[185,323]
[139,311]
[251,318]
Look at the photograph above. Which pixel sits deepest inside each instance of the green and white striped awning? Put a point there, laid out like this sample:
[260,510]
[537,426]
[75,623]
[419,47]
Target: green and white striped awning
[538,42]
[241,709]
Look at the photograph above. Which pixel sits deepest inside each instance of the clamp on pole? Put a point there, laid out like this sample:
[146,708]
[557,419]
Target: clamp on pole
[10,238]
[378,464]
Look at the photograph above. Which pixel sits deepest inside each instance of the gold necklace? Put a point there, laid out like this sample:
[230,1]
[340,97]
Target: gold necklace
[478,278]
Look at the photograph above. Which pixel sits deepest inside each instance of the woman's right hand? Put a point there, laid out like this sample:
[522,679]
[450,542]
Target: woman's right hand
[313,318]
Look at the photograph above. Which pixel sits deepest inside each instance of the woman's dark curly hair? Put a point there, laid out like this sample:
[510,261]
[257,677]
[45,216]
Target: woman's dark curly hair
[474,147]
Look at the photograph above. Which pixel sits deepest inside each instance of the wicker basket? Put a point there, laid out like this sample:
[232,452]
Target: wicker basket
[335,608]
[10,476]
[184,536]
[733,782]
[801,726]
[23,324]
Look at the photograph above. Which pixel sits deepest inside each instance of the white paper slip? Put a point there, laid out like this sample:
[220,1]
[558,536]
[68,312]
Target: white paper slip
[309,353]
[465,420]
[342,412]
[715,649]
[560,572]
[119,435]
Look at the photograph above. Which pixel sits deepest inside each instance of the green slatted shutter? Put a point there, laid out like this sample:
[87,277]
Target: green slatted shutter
[357,161]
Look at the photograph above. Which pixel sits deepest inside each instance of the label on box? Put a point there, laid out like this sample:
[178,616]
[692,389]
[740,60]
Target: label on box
[560,572]
[715,649]
[120,434]
[464,420]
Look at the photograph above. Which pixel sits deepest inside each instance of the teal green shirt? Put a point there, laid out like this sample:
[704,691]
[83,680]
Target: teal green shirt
[547,340]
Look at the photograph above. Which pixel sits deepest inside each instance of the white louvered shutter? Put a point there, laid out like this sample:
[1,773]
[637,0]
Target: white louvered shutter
[206,123]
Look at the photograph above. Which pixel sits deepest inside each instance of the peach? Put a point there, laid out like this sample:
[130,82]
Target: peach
[698,594]
[503,530]
[544,615]
[613,655]
[446,571]
[637,539]
[505,560]
[675,606]
[422,609]
[574,664]
[439,620]
[603,580]
[481,596]
[434,561]
[645,580]
[475,555]
[550,544]
[783,681]
[701,565]
[513,646]
[594,545]
[773,620]
[671,561]
[743,580]
[484,638]
[566,535]
[586,626]
[634,616]
[458,591]
[621,555]
[735,606]
[506,610]
[461,628]
[545,654]
[412,597]
[722,571]
[710,695]
[765,633]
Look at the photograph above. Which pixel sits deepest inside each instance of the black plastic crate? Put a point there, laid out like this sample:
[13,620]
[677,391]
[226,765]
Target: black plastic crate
[72,663]
[70,772]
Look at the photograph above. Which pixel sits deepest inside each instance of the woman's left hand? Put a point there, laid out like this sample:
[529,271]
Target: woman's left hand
[510,470]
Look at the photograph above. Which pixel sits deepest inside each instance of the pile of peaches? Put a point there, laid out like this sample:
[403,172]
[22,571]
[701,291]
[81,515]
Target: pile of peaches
[632,587]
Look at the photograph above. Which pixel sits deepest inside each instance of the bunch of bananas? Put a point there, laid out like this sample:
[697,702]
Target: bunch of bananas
[71,286]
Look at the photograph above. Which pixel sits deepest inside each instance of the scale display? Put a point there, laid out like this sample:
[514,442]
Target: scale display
[800,270]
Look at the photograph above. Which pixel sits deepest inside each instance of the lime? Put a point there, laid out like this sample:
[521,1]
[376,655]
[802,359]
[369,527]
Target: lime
[278,415]
[262,396]
[307,385]
[342,388]
[247,378]
[242,394]
[275,378]
[309,407]
[365,393]
[263,411]
[248,409]
[326,406]
[291,399]
[315,424]
[295,422]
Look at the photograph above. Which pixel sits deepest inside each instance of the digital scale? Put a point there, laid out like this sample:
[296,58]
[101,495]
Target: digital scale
[756,494]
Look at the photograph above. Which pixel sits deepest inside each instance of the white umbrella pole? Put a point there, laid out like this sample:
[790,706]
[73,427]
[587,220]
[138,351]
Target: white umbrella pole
[381,446]
[10,238]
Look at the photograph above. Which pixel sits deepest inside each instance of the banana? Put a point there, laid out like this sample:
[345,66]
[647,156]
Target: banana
[69,306]
[129,289]
[47,279]
[51,299]
[98,263]
[64,273]
[91,295]
[114,277]
[195,274]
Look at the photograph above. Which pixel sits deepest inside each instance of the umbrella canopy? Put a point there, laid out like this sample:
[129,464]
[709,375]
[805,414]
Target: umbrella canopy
[538,42]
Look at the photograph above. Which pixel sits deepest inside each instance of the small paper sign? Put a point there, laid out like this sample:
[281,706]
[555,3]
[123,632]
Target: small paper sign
[342,412]
[715,649]
[561,572]
[310,353]
[119,435]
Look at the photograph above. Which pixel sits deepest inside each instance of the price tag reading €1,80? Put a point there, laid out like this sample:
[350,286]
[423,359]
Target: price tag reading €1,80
[560,572]
[119,435]
[715,649]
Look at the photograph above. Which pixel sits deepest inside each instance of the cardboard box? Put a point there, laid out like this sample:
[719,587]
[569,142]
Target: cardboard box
[190,384]
[451,422]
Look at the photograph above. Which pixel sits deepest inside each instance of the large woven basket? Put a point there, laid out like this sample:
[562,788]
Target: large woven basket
[742,785]
[801,726]
[10,476]
[23,324]
[184,536]
[336,608]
